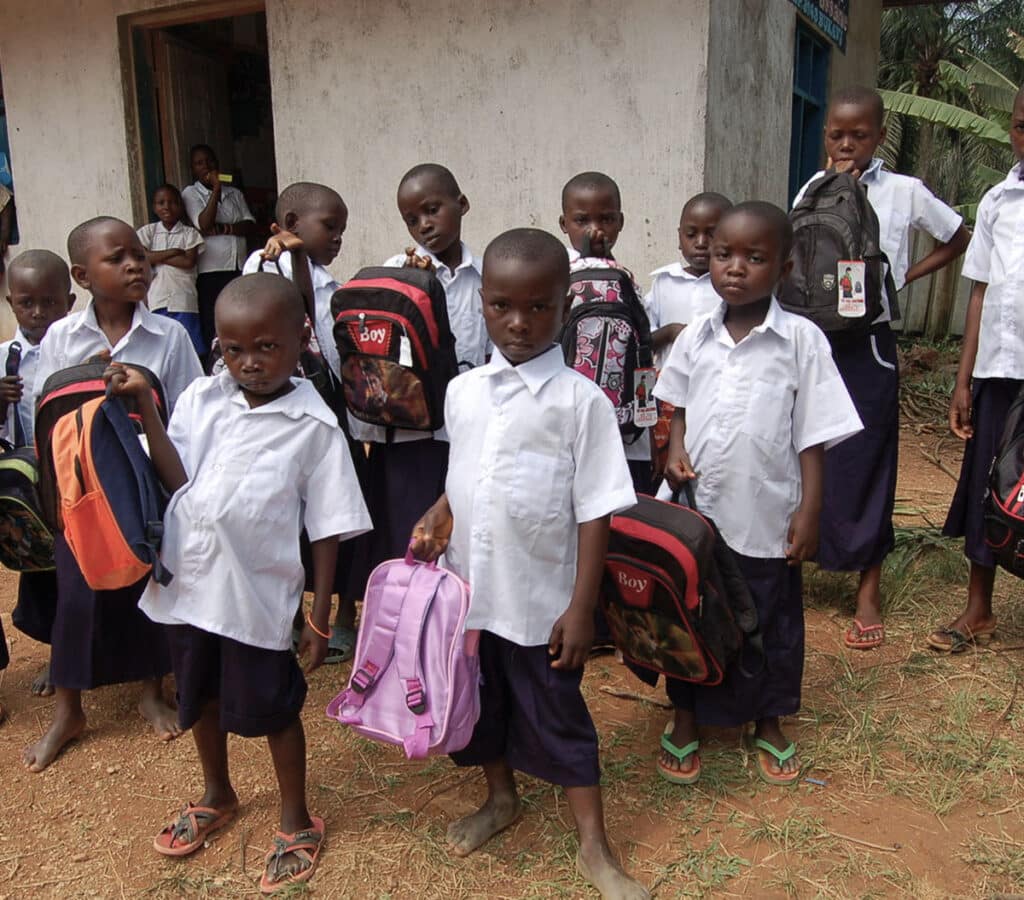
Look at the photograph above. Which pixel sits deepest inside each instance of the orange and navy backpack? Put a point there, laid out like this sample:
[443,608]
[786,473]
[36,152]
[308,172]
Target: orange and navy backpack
[396,346]
[111,502]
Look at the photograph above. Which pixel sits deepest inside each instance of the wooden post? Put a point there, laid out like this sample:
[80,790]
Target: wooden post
[942,301]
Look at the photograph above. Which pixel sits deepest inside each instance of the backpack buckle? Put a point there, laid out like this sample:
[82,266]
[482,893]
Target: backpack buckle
[155,532]
[416,697]
[363,679]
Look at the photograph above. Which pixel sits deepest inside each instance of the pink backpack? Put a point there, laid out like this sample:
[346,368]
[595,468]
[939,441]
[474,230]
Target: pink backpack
[415,677]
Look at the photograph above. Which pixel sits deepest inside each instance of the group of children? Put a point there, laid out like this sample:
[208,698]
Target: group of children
[789,439]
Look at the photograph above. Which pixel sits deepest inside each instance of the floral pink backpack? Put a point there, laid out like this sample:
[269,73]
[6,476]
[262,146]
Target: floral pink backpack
[415,677]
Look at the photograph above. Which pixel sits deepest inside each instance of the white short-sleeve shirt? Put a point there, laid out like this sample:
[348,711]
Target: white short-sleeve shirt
[995,257]
[324,287]
[156,342]
[173,288]
[224,252]
[256,477]
[751,408]
[535,451]
[29,372]
[902,204]
[678,298]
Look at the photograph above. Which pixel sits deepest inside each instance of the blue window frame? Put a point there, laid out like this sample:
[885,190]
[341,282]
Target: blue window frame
[810,90]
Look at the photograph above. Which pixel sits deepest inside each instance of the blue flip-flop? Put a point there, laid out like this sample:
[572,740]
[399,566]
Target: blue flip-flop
[341,646]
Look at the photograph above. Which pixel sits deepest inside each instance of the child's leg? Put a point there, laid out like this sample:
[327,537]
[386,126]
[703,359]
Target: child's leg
[67,724]
[500,809]
[595,860]
[212,746]
[978,616]
[155,709]
[770,730]
[42,684]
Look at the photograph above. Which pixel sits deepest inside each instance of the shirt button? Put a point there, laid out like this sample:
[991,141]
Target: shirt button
[218,467]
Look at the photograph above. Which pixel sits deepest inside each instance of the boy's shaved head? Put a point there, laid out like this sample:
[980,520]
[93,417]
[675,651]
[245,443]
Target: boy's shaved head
[302,196]
[41,261]
[591,181]
[708,199]
[81,237]
[264,294]
[436,173]
[858,95]
[534,246]
[771,215]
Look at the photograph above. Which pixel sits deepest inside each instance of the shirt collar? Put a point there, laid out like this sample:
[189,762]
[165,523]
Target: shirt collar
[534,373]
[775,320]
[1015,177]
[303,401]
[26,345]
[676,270]
[872,172]
[468,259]
[178,226]
[141,318]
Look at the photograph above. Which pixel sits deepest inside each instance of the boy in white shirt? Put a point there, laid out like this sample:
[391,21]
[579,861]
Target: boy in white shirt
[172,247]
[860,474]
[100,637]
[251,456]
[536,472]
[39,294]
[989,378]
[757,400]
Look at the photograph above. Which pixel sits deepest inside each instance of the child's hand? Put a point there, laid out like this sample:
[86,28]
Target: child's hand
[127,381]
[312,648]
[572,636]
[802,539]
[844,166]
[679,470]
[960,413]
[430,535]
[412,261]
[11,388]
[280,241]
[212,179]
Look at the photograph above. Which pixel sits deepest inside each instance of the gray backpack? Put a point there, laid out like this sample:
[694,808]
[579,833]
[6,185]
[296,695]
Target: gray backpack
[834,223]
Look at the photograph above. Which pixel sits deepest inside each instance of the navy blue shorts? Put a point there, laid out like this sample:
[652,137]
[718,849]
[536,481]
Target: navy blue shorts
[37,605]
[5,657]
[259,691]
[532,716]
[990,402]
[860,473]
[777,592]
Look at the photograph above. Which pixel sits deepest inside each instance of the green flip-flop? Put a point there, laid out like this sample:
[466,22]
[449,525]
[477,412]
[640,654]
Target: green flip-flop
[781,756]
[674,776]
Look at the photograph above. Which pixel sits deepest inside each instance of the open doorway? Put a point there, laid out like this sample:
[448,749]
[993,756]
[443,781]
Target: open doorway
[204,79]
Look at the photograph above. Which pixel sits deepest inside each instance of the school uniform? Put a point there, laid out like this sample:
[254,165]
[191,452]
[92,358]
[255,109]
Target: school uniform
[173,290]
[638,452]
[101,637]
[860,475]
[222,258]
[751,409]
[995,257]
[354,557]
[535,450]
[407,472]
[678,297]
[256,477]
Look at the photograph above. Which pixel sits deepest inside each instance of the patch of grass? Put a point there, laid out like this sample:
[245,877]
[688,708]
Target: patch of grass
[918,663]
[700,871]
[793,833]
[998,855]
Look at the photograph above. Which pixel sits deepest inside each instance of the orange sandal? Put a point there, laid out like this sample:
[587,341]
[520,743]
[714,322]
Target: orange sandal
[864,637]
[189,831]
[305,845]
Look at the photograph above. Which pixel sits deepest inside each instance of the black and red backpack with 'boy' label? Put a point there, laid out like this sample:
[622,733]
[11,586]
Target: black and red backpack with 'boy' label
[396,346]
[1004,499]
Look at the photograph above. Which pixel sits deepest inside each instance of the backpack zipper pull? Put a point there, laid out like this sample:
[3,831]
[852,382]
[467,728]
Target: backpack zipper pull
[362,324]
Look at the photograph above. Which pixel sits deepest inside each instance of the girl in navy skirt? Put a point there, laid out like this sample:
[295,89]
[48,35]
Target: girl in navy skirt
[757,397]
[990,375]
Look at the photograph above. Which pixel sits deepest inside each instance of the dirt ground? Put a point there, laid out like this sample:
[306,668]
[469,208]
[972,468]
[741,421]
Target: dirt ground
[914,764]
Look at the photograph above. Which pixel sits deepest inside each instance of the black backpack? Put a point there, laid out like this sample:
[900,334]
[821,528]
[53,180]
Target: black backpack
[607,336]
[396,346]
[1004,499]
[833,223]
[673,596]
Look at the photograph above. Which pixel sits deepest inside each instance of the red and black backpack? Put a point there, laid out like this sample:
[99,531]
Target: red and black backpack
[1004,499]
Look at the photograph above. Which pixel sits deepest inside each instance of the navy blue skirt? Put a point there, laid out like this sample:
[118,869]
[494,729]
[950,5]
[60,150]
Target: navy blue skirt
[777,591]
[37,605]
[101,637]
[856,530]
[990,402]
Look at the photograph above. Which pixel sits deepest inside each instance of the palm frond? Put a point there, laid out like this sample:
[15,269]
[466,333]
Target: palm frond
[946,115]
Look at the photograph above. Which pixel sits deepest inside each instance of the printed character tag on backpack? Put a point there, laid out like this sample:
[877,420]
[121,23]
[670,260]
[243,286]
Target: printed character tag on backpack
[852,300]
[405,351]
[645,408]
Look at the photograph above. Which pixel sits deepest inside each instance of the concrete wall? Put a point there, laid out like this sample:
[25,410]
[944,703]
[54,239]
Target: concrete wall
[517,98]
[859,65]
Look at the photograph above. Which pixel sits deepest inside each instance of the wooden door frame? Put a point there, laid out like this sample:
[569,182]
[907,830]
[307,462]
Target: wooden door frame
[180,14]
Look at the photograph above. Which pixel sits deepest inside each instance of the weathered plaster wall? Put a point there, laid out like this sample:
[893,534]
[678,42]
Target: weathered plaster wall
[750,90]
[859,65]
[514,97]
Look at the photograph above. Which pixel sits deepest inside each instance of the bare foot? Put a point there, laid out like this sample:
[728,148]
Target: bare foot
[683,733]
[41,684]
[603,871]
[63,730]
[161,716]
[469,832]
